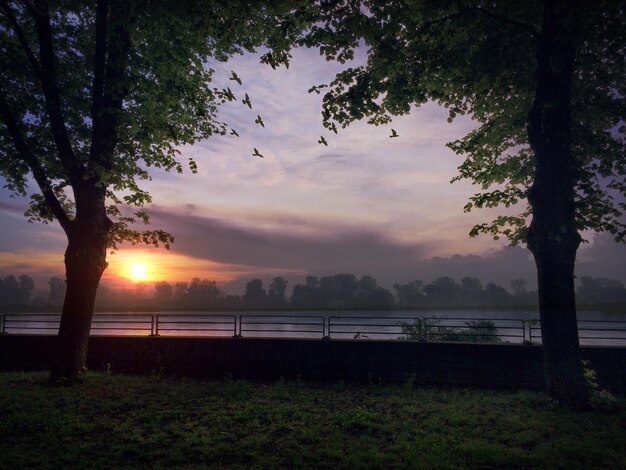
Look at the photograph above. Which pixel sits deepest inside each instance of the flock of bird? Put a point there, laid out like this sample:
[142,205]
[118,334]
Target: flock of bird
[246,100]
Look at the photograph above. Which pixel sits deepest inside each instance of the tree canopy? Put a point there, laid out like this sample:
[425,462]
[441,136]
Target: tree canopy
[479,58]
[97,100]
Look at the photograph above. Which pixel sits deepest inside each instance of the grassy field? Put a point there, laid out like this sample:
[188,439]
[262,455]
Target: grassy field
[113,421]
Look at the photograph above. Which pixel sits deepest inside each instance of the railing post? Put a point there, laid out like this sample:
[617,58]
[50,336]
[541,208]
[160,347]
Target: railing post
[2,325]
[524,331]
[328,334]
[154,325]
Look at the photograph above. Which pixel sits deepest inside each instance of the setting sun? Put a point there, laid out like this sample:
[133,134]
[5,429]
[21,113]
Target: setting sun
[138,271]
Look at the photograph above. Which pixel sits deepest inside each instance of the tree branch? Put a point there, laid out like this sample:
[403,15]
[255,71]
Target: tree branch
[524,26]
[114,88]
[19,32]
[38,171]
[98,75]
[49,84]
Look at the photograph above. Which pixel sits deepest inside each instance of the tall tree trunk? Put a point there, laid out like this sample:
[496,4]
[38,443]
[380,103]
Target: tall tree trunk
[85,261]
[553,238]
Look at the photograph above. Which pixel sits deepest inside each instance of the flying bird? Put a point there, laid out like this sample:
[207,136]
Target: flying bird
[393,134]
[247,101]
[259,121]
[234,132]
[322,141]
[257,153]
[228,94]
[235,77]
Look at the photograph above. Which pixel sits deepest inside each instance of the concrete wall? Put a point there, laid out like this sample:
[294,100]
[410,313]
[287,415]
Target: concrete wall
[463,364]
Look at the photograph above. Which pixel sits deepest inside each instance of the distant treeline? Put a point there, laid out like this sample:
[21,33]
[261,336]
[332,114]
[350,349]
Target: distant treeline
[337,291]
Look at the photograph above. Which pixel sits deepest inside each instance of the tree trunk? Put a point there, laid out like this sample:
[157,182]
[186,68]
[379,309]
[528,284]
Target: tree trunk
[85,261]
[553,237]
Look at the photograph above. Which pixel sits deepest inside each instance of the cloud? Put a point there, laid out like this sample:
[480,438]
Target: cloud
[603,257]
[312,246]
[499,266]
[19,235]
[333,156]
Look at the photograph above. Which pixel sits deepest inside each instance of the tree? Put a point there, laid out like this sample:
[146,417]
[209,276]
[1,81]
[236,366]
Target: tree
[521,294]
[410,295]
[601,290]
[163,294]
[57,291]
[443,291]
[93,94]
[202,293]
[472,291]
[496,295]
[338,290]
[519,286]
[276,292]
[180,294]
[370,294]
[545,80]
[255,295]
[306,295]
[16,292]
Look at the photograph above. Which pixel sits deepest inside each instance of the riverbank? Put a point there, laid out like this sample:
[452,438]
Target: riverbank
[118,421]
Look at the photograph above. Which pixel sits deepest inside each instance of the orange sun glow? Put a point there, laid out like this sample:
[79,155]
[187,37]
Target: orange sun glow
[138,271]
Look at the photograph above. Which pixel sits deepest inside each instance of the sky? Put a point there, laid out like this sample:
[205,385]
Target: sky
[364,204]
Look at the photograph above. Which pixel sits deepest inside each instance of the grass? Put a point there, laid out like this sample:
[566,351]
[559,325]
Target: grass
[116,421]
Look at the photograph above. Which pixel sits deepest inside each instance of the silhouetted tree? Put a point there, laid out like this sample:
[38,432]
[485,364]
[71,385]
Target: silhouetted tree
[370,294]
[411,294]
[305,295]
[16,291]
[519,286]
[180,294]
[601,291]
[521,294]
[163,294]
[336,291]
[496,295]
[255,295]
[443,291]
[340,291]
[231,301]
[56,291]
[472,291]
[276,292]
[104,299]
[202,293]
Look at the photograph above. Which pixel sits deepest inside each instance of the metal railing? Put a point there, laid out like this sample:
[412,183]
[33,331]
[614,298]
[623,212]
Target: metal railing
[194,324]
[140,323]
[474,329]
[600,332]
[611,332]
[362,327]
[278,325]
